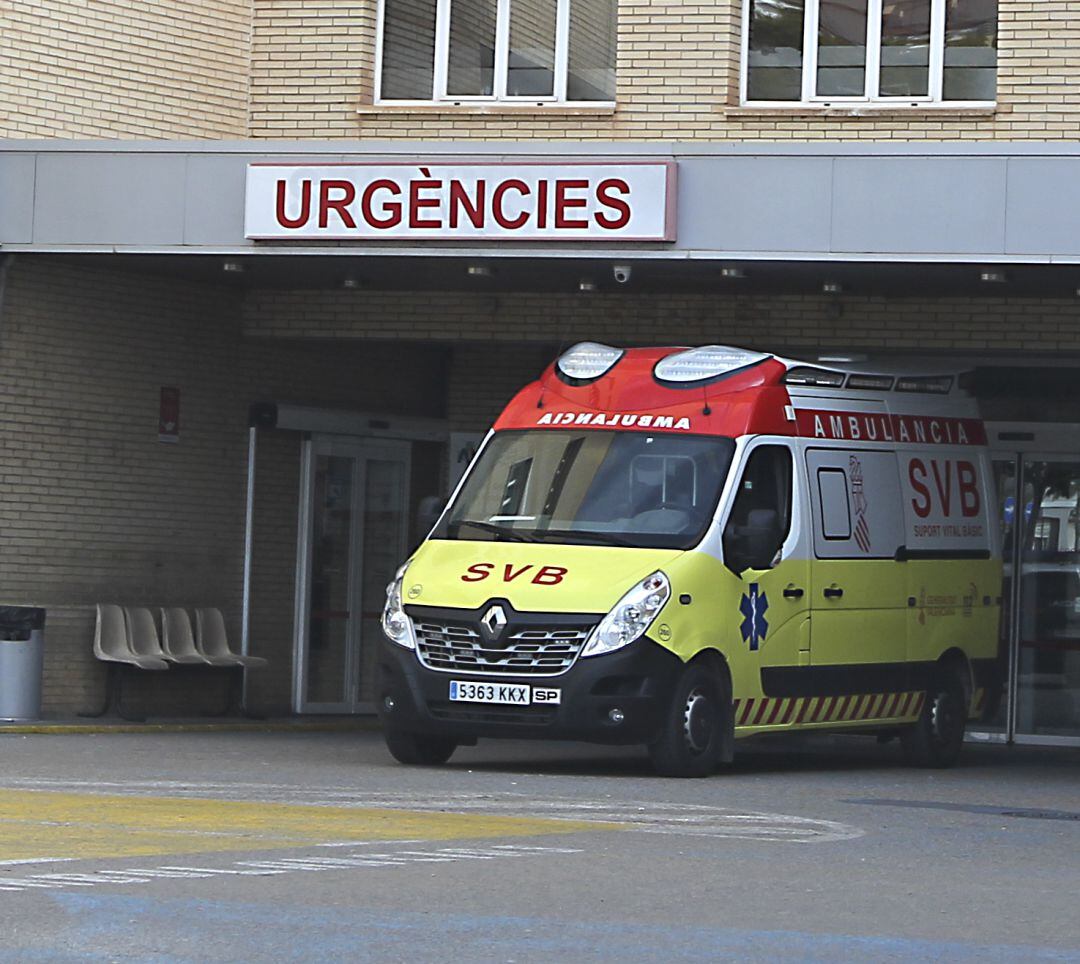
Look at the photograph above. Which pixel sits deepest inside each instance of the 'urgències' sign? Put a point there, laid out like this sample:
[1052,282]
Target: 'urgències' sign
[628,201]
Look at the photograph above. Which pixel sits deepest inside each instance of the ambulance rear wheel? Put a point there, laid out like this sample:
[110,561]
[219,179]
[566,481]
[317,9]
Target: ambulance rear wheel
[691,737]
[936,739]
[418,748]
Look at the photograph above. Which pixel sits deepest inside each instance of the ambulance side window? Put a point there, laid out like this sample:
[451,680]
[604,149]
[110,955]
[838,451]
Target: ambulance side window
[761,514]
[835,507]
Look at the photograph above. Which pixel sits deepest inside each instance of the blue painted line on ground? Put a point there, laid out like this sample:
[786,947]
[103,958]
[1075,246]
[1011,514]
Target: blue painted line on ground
[165,930]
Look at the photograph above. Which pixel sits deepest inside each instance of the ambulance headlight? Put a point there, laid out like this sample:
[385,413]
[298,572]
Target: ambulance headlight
[395,623]
[630,616]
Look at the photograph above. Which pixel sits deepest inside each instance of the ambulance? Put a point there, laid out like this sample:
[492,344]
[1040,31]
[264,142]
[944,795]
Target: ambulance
[684,547]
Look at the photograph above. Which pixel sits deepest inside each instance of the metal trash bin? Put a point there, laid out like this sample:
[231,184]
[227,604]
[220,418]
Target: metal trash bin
[22,645]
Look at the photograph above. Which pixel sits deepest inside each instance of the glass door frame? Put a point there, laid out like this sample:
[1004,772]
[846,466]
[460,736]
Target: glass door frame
[360,450]
[1020,442]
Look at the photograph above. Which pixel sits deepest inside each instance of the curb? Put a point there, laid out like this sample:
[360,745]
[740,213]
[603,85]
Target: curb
[254,726]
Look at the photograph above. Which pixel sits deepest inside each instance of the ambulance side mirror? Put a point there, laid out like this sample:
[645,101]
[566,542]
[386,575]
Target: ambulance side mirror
[757,542]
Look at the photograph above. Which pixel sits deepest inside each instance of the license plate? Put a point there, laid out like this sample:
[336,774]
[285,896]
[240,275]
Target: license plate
[514,694]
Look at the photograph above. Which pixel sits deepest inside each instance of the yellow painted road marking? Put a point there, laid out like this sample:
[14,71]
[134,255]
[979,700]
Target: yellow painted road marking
[46,824]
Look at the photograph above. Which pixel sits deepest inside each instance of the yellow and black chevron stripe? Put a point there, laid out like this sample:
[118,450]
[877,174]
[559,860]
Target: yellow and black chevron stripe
[815,710]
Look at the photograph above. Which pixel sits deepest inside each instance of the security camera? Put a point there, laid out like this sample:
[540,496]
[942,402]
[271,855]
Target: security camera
[622,273]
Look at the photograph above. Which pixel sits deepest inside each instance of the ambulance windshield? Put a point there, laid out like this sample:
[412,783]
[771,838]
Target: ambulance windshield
[591,487]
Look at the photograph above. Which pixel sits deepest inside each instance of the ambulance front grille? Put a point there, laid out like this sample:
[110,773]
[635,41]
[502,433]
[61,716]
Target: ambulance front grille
[528,652]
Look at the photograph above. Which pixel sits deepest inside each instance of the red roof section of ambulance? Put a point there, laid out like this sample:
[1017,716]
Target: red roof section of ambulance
[747,402]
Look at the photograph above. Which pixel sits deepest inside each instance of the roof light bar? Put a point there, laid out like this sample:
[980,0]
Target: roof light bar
[706,363]
[877,383]
[586,362]
[806,375]
[933,384]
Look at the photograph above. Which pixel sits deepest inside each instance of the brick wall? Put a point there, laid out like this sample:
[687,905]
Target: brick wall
[304,69]
[677,76]
[110,68]
[790,323]
[93,508]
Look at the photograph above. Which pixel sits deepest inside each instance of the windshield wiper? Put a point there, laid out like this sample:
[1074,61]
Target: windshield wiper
[514,534]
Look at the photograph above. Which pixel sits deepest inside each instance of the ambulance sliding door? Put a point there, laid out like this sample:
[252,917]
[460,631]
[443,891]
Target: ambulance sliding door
[858,602]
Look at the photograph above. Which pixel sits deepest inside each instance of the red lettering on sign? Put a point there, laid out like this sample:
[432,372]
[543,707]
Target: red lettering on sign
[473,208]
[417,203]
[967,480]
[514,184]
[339,206]
[541,204]
[920,505]
[509,575]
[391,208]
[603,195]
[305,206]
[549,576]
[562,203]
[479,571]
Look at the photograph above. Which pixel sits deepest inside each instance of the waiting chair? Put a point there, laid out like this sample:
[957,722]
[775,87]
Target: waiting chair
[211,641]
[178,641]
[112,647]
[142,634]
[111,640]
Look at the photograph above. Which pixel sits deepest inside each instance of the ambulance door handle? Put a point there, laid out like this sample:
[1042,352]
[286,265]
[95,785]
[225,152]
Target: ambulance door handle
[793,592]
[833,592]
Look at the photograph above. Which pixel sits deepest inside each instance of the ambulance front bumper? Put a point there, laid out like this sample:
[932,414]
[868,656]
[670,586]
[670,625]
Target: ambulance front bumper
[617,698]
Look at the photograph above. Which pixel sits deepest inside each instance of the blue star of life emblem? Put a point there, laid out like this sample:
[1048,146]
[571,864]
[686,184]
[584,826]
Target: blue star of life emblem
[754,625]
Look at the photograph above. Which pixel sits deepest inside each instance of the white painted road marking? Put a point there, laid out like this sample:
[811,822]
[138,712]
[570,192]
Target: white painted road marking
[274,867]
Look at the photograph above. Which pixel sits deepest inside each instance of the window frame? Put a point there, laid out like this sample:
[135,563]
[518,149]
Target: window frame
[498,96]
[871,98]
[742,463]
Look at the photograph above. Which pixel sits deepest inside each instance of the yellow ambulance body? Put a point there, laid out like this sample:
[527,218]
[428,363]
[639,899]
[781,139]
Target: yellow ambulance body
[682,547]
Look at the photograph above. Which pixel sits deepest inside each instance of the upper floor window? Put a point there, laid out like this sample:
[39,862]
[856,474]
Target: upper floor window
[484,51]
[903,52]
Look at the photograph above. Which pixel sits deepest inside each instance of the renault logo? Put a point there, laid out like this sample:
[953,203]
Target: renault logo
[493,622]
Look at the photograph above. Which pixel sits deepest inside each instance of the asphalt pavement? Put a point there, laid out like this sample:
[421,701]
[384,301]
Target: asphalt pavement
[253,846]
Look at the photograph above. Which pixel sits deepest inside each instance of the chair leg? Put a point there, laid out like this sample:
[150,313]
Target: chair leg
[120,702]
[111,672]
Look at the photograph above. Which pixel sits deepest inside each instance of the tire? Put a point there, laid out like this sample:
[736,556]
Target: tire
[937,737]
[692,736]
[418,748]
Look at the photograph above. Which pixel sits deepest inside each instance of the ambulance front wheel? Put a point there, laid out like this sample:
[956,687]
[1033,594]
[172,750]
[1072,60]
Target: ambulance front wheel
[936,739]
[417,748]
[691,740]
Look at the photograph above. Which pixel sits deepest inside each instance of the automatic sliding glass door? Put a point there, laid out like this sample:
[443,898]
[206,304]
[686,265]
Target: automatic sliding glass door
[1048,631]
[1039,511]
[353,531]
